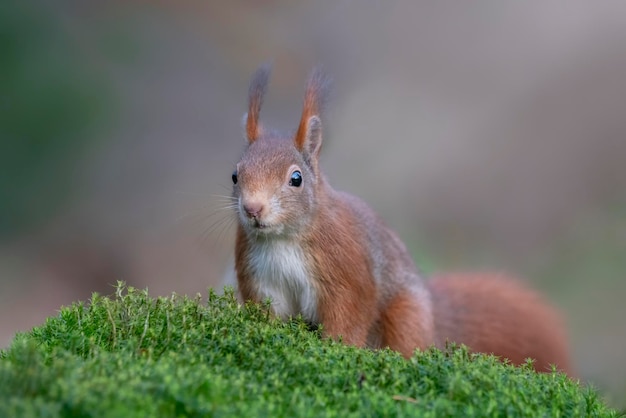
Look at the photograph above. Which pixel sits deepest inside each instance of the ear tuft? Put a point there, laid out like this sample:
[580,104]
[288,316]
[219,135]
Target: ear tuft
[256,92]
[315,97]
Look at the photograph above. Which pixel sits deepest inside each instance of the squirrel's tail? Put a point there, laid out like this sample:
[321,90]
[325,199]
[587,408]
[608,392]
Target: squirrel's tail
[493,314]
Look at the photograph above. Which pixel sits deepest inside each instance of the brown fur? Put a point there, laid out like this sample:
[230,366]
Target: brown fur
[244,279]
[402,328]
[347,288]
[326,255]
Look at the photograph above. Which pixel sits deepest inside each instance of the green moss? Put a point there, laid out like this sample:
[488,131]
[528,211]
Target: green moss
[135,356]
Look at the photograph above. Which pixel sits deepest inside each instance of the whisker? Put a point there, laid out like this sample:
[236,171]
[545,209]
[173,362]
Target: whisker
[190,193]
[217,227]
[200,211]
[200,220]
[230,196]
[212,219]
[228,188]
[225,197]
[225,227]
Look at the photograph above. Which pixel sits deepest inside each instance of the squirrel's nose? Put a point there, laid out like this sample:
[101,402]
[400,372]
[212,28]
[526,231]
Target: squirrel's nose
[253,209]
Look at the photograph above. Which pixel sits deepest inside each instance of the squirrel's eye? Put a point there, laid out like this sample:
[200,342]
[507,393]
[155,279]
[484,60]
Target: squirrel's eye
[234,177]
[296,179]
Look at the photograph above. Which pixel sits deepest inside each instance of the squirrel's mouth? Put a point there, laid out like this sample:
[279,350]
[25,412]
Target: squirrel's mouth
[254,224]
[266,229]
[258,225]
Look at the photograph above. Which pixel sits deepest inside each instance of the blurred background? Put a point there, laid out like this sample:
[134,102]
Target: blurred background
[491,135]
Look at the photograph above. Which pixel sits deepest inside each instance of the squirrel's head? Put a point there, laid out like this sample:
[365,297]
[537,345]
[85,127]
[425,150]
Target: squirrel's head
[277,179]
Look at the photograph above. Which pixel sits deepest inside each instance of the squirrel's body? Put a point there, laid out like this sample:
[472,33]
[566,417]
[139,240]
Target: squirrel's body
[327,255]
[342,275]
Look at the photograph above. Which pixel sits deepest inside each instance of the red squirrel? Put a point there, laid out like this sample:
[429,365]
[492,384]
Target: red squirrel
[326,255]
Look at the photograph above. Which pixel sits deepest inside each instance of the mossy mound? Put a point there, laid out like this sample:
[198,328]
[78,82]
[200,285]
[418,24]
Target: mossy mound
[136,356]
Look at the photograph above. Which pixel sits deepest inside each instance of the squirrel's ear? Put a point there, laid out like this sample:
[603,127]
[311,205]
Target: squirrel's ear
[244,126]
[258,86]
[308,139]
[313,138]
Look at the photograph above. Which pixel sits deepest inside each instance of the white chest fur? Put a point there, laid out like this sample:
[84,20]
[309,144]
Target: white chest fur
[279,272]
